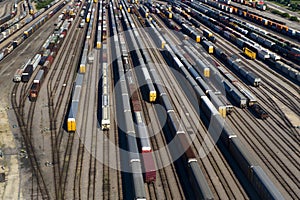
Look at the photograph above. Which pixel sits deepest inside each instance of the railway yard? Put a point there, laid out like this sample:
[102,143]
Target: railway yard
[117,99]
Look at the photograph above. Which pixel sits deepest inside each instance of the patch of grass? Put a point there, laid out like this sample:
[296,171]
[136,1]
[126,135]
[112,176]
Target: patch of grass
[42,3]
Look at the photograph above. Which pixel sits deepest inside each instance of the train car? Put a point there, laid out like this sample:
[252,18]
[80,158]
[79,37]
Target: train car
[71,122]
[19,72]
[251,54]
[105,122]
[36,86]
[198,179]
[27,73]
[259,111]
[83,62]
[149,167]
[207,33]
[208,46]
[263,185]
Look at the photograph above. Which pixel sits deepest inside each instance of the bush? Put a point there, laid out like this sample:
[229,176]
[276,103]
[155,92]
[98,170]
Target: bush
[276,12]
[294,18]
[285,15]
[42,4]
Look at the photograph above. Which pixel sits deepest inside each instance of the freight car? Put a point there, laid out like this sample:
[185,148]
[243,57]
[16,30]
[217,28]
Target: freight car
[36,86]
[105,122]
[259,111]
[199,183]
[71,122]
[207,46]
[19,72]
[150,93]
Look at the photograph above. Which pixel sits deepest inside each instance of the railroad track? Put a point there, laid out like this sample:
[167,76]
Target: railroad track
[214,160]
[283,95]
[158,142]
[266,159]
[285,124]
[25,128]
[55,103]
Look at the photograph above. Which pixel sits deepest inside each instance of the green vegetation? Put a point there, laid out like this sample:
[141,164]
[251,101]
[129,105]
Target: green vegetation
[42,3]
[284,15]
[293,5]
[294,18]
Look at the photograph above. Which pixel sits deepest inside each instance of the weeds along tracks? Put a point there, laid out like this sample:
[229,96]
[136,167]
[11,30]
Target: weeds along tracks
[269,159]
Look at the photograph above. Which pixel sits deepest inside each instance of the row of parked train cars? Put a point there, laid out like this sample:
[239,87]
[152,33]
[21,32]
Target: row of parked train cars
[241,96]
[195,173]
[249,40]
[17,41]
[43,60]
[10,15]
[257,18]
[254,173]
[76,93]
[269,40]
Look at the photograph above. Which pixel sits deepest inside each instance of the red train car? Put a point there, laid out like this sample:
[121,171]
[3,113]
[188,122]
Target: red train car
[149,167]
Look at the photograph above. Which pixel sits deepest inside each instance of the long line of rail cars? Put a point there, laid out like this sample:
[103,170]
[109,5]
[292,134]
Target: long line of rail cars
[257,18]
[12,26]
[9,16]
[196,176]
[149,168]
[53,47]
[74,106]
[271,41]
[263,185]
[136,51]
[101,24]
[243,42]
[256,176]
[240,95]
[135,163]
[105,121]
[17,41]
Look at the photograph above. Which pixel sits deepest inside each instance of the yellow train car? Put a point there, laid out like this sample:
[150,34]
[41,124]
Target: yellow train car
[208,46]
[152,96]
[82,69]
[251,54]
[222,111]
[198,39]
[98,45]
[88,17]
[206,72]
[71,125]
